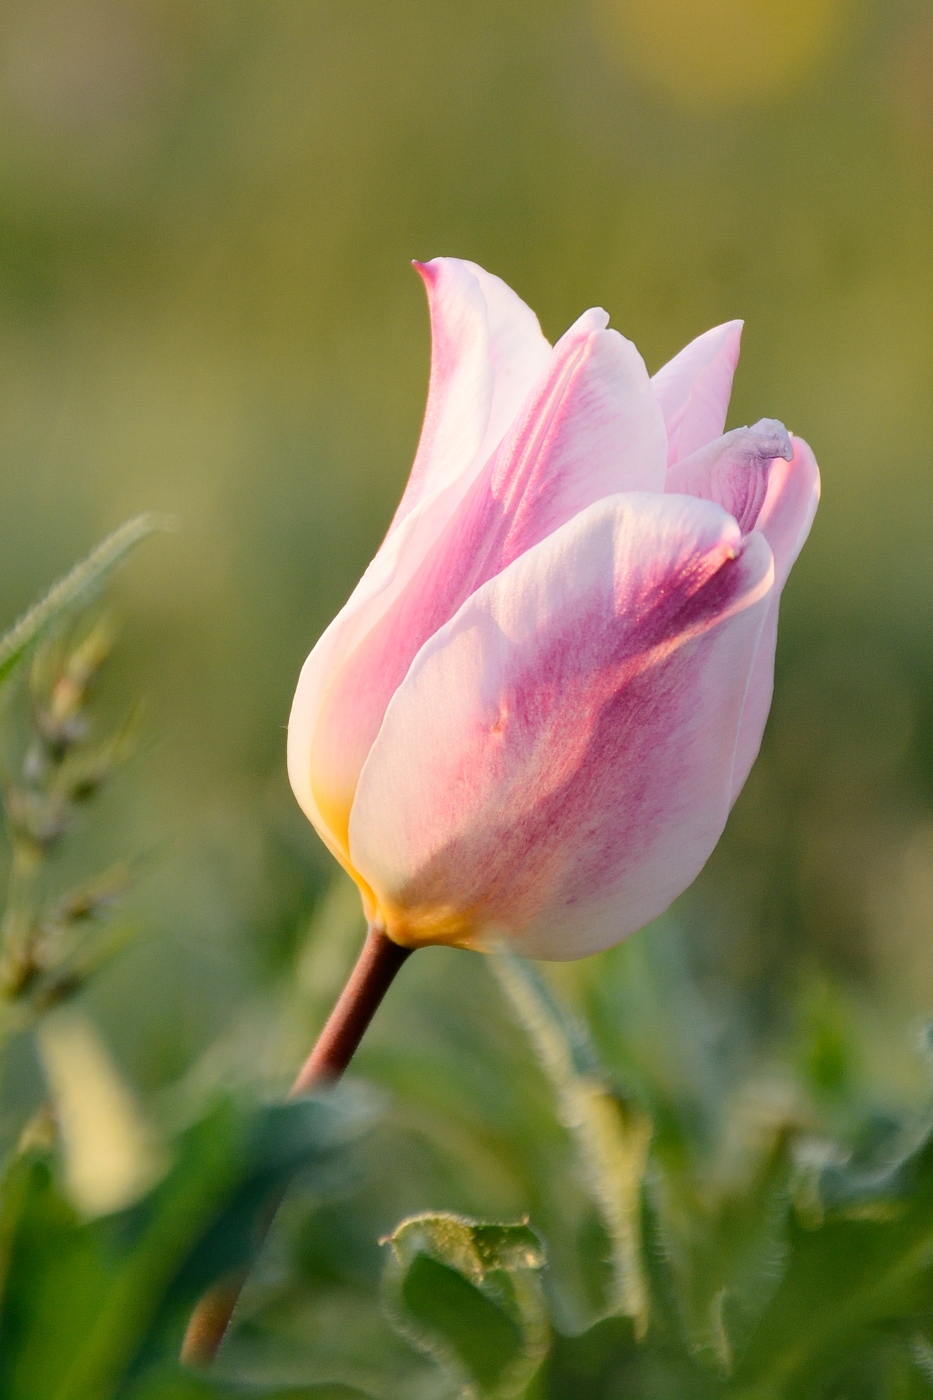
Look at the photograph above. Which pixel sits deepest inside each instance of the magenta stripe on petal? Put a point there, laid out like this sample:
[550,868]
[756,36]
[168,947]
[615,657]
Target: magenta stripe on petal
[584,752]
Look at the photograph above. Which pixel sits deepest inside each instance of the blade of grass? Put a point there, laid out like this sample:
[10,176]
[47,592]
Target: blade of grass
[76,585]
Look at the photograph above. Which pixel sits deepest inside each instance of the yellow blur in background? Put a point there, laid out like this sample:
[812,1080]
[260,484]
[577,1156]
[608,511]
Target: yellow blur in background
[726,53]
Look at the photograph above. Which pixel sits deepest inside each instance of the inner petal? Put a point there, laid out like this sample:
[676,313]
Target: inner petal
[693,389]
[733,471]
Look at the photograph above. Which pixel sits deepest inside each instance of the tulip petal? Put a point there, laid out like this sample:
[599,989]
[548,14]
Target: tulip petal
[401,555]
[487,350]
[556,765]
[693,389]
[789,507]
[784,521]
[590,428]
[734,470]
[517,348]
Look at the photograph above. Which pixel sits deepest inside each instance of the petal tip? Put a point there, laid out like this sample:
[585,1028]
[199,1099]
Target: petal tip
[732,330]
[428,271]
[732,336]
[775,439]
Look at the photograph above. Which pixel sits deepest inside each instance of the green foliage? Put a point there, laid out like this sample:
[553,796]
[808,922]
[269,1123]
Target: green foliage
[677,1238]
[174,1385]
[800,1281]
[177,1386]
[787,1268]
[87,1305]
[858,1279]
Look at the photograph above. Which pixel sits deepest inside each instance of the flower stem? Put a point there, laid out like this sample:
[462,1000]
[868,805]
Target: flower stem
[368,983]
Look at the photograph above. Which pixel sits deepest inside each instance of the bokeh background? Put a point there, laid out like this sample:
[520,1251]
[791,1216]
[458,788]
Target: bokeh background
[207,215]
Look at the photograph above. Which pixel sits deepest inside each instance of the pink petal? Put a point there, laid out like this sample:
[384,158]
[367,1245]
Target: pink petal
[327,804]
[486,352]
[784,521]
[734,470]
[694,388]
[789,507]
[517,348]
[556,765]
[590,428]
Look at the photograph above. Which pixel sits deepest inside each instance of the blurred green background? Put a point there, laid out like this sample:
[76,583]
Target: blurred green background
[207,214]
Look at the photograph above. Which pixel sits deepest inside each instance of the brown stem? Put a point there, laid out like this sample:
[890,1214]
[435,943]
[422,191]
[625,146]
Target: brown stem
[368,983]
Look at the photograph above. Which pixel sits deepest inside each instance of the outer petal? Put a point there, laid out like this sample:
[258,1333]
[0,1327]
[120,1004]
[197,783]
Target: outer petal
[734,470]
[486,352]
[693,389]
[556,765]
[590,428]
[784,521]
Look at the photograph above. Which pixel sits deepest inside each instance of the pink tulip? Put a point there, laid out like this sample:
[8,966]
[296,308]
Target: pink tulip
[533,715]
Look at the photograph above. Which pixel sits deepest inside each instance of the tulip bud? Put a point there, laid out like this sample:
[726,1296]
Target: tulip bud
[534,713]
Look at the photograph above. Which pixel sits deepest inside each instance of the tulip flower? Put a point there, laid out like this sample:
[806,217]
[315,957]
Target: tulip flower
[533,715]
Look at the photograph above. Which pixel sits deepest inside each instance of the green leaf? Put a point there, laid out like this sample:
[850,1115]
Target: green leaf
[308,1136]
[469,1295]
[85,1302]
[858,1274]
[612,1133]
[608,1362]
[726,1249]
[74,588]
[176,1384]
[56,1280]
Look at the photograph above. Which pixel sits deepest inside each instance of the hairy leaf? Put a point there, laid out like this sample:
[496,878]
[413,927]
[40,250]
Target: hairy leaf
[468,1294]
[858,1282]
[611,1131]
